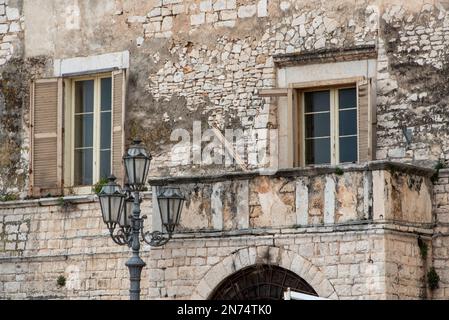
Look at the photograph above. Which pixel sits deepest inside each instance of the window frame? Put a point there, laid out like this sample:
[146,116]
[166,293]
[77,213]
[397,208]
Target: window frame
[334,123]
[70,129]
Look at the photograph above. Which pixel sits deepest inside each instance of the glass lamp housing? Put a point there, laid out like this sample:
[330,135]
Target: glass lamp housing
[111,202]
[171,201]
[137,164]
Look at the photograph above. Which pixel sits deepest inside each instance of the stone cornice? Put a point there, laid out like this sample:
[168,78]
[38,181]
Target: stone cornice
[326,55]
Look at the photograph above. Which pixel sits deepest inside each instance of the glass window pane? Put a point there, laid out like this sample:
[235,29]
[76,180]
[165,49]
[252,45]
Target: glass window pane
[84,130]
[348,149]
[83,167]
[348,122]
[106,132]
[318,151]
[105,164]
[317,125]
[84,96]
[347,98]
[106,94]
[317,101]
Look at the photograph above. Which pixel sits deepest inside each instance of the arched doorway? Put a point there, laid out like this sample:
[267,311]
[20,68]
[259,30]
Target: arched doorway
[260,282]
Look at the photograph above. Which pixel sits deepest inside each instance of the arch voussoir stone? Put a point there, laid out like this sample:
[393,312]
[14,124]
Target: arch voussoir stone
[213,279]
[286,259]
[281,257]
[202,291]
[229,264]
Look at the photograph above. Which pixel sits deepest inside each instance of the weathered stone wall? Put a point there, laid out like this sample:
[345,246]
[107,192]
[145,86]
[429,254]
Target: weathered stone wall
[347,258]
[412,94]
[440,240]
[41,240]
[406,268]
[205,61]
[13,161]
[43,243]
[380,191]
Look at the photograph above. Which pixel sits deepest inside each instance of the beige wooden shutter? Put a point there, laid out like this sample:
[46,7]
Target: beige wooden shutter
[294,134]
[46,137]
[366,121]
[289,131]
[118,123]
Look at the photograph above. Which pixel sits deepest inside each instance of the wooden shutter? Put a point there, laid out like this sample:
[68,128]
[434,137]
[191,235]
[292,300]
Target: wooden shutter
[366,121]
[288,134]
[294,136]
[118,123]
[46,175]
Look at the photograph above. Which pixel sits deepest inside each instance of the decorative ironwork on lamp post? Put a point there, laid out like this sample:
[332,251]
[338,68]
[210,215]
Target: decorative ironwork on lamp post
[121,211]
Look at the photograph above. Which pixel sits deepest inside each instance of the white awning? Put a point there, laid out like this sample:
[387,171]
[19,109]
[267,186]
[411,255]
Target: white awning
[292,295]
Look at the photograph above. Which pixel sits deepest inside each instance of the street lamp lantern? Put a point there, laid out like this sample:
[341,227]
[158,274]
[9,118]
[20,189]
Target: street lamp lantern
[170,202]
[111,202]
[137,163]
[122,208]
[126,217]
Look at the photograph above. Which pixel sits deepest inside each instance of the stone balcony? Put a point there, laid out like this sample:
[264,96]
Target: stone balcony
[376,192]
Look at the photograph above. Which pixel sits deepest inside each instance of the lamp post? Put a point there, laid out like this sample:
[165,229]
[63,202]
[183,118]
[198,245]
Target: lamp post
[121,211]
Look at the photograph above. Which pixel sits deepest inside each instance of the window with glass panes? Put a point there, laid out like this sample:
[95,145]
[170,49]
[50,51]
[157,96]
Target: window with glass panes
[92,130]
[330,126]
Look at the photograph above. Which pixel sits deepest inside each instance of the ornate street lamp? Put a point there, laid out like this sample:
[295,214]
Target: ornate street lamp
[121,211]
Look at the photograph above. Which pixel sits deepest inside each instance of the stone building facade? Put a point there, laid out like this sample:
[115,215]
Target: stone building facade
[182,75]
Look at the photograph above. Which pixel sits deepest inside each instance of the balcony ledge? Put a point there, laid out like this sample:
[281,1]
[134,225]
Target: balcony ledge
[296,172]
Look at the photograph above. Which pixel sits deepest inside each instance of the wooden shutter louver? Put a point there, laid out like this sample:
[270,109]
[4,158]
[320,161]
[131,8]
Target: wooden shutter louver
[366,121]
[118,122]
[46,137]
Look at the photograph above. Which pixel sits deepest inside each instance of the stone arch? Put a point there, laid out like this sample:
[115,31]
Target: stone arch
[249,256]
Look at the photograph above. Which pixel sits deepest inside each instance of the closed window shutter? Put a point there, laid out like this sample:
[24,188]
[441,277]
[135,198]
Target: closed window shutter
[366,121]
[288,130]
[118,121]
[46,137]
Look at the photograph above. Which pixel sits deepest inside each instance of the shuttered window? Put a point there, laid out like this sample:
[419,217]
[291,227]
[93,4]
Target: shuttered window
[328,122]
[46,137]
[77,132]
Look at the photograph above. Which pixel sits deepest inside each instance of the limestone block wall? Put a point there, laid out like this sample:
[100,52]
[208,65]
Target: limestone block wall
[336,265]
[11,28]
[41,240]
[412,59]
[352,262]
[406,268]
[440,240]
